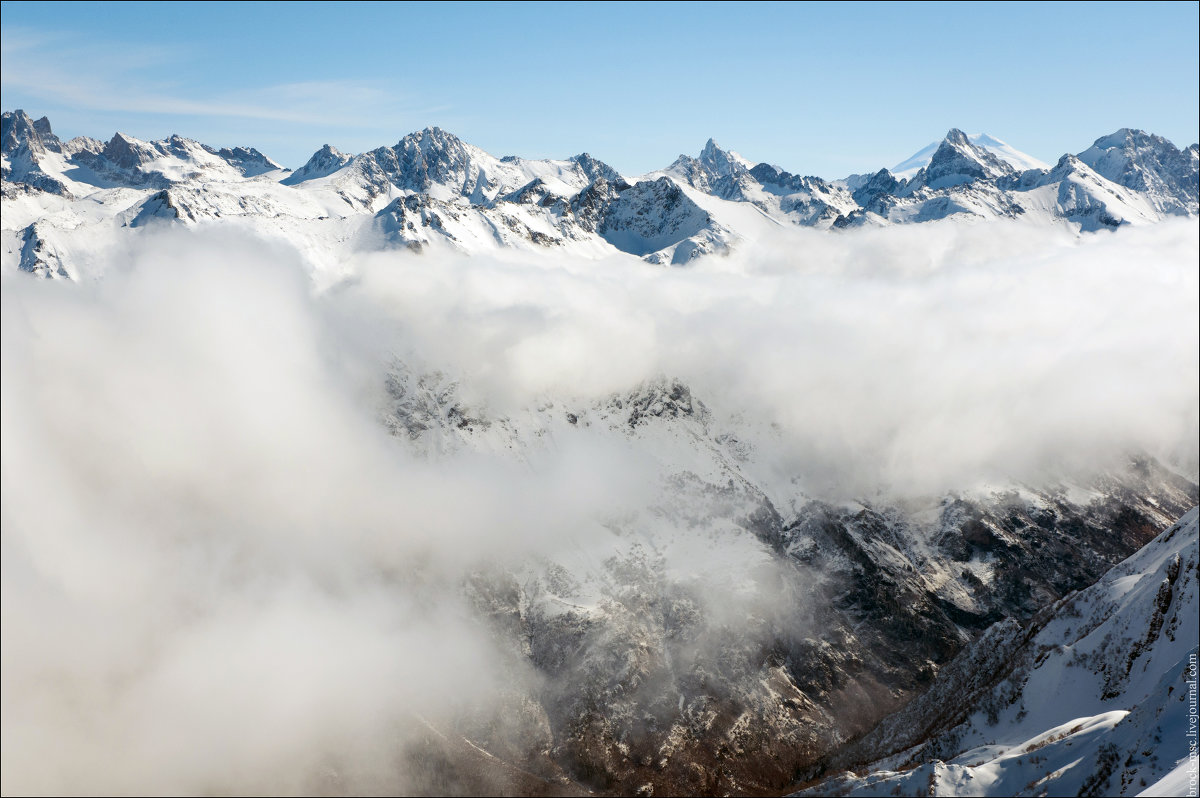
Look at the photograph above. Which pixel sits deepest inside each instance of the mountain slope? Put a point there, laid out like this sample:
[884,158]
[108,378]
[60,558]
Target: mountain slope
[1089,699]
[653,685]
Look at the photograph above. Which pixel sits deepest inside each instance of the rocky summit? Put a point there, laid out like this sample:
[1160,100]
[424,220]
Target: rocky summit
[472,201]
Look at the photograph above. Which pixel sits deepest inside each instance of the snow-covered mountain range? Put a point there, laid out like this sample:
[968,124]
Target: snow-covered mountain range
[63,199]
[735,632]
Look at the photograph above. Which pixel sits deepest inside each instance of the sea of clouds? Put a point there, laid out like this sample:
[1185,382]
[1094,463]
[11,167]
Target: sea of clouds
[222,574]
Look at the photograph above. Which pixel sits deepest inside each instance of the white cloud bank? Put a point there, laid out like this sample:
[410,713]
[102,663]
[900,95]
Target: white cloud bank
[221,574]
[924,357]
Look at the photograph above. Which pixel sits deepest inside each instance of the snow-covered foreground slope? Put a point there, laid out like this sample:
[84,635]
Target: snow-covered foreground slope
[1091,698]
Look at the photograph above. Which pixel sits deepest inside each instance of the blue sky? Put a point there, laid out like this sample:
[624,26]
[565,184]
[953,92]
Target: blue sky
[822,88]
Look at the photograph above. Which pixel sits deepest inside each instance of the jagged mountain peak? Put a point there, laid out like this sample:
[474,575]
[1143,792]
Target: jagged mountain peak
[434,157]
[120,138]
[323,163]
[437,162]
[24,144]
[717,171]
[711,149]
[595,168]
[431,137]
[437,142]
[713,157]
[879,184]
[722,161]
[1020,161]
[42,126]
[956,137]
[248,160]
[19,128]
[128,152]
[957,144]
[1129,137]
[1150,164]
[125,143]
[656,219]
[963,174]
[1132,142]
[16,128]
[956,161]
[125,159]
[957,141]
[18,118]
[434,131]
[1067,162]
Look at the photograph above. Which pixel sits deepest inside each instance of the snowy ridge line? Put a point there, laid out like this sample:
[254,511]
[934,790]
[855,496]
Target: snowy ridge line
[433,189]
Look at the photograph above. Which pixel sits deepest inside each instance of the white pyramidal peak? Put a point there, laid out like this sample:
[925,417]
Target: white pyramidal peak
[1004,151]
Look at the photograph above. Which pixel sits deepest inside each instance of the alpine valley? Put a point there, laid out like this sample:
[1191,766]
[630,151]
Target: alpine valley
[740,627]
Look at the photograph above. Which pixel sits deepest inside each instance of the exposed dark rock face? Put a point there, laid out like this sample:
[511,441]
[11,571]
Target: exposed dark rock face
[595,168]
[958,161]
[24,142]
[1114,645]
[881,183]
[649,693]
